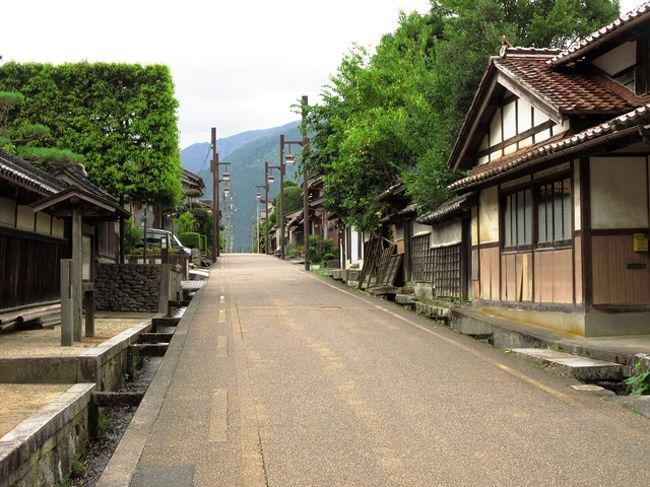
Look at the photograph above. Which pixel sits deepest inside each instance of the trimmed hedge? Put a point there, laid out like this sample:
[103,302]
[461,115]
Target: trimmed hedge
[190,239]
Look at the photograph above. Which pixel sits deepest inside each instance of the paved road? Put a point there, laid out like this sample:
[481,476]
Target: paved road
[285,379]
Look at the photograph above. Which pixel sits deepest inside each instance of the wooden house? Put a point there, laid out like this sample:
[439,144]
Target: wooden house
[35,234]
[556,145]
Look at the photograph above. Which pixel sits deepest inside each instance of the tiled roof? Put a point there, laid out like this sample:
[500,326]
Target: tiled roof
[534,153]
[575,92]
[580,47]
[27,175]
[448,209]
[409,209]
[392,190]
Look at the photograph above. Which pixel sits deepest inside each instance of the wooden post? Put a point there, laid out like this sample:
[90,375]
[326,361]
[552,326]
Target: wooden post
[66,303]
[89,308]
[76,277]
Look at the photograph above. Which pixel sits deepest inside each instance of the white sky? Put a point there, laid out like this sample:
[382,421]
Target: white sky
[237,65]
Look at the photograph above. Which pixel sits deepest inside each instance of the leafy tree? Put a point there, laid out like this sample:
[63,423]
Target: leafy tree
[203,221]
[120,117]
[394,114]
[292,198]
[185,222]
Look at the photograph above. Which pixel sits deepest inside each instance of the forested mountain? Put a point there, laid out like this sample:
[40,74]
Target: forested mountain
[195,157]
[246,169]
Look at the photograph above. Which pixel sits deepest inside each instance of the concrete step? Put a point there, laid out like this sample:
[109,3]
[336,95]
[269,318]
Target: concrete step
[582,368]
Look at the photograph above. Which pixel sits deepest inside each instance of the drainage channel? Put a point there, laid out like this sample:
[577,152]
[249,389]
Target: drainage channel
[111,412]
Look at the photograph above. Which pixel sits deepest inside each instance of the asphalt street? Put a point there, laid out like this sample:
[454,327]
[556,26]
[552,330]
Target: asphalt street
[288,379]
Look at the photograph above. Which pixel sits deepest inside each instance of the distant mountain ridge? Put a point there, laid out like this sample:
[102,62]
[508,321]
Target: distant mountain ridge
[246,152]
[196,156]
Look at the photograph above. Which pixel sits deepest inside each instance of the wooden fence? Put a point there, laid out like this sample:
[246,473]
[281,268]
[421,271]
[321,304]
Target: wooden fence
[29,268]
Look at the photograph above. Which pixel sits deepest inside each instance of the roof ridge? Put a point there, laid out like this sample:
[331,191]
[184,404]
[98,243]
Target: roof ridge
[590,39]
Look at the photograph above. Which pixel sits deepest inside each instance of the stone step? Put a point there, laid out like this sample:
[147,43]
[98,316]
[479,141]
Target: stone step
[582,368]
[432,311]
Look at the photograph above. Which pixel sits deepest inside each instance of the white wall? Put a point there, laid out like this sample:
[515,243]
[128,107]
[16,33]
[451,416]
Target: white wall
[446,233]
[619,196]
[489,215]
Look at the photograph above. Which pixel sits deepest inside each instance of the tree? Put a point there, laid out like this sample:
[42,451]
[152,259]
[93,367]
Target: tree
[393,115]
[292,198]
[120,117]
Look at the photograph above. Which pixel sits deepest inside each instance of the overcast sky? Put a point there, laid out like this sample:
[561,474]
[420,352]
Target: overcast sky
[237,65]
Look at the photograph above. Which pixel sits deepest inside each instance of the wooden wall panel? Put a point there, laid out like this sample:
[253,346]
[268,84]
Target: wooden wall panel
[508,277]
[554,276]
[525,263]
[516,277]
[613,283]
[489,262]
[578,268]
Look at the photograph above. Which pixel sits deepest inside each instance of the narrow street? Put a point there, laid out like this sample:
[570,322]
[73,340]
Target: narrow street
[285,379]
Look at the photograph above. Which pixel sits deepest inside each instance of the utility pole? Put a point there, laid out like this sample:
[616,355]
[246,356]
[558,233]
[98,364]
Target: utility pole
[215,195]
[266,206]
[282,169]
[305,182]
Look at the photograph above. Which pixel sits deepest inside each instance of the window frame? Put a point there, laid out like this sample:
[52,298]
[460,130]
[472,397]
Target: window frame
[503,197]
[534,186]
[554,244]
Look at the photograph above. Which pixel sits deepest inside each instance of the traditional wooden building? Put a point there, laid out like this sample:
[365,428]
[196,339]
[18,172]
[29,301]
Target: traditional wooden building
[557,145]
[33,242]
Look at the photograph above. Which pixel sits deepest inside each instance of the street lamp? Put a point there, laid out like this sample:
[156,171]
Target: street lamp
[258,197]
[290,159]
[214,167]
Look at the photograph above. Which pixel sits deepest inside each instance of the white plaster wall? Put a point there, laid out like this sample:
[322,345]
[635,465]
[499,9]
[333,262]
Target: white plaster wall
[7,212]
[420,229]
[495,133]
[619,196]
[446,233]
[523,115]
[25,218]
[617,59]
[509,120]
[58,227]
[489,215]
[539,118]
[43,223]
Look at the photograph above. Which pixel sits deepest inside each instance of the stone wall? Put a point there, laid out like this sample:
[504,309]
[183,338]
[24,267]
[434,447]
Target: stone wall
[124,287]
[41,450]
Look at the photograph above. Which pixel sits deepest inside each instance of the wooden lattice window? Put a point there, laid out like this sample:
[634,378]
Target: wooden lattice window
[446,271]
[422,259]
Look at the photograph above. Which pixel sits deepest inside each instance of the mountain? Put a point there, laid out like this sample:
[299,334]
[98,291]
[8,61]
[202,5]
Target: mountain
[196,156]
[246,171]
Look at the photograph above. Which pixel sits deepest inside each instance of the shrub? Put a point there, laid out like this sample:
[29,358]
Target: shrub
[190,239]
[320,249]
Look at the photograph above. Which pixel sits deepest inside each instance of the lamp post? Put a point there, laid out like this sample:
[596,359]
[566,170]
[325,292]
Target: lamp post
[258,197]
[214,167]
[266,206]
[289,159]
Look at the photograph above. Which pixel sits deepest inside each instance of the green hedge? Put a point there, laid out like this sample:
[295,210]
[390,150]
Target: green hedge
[190,239]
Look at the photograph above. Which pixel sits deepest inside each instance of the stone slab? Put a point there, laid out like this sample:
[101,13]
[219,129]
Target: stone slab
[583,368]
